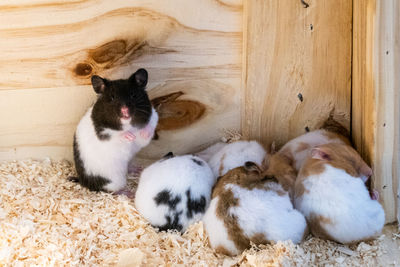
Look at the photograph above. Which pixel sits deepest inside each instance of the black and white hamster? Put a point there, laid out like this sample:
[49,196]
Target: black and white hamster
[113,130]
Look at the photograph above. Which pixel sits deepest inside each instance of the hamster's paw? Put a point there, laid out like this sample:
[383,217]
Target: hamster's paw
[129,136]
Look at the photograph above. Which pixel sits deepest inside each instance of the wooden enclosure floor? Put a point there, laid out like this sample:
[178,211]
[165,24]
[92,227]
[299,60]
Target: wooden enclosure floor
[46,220]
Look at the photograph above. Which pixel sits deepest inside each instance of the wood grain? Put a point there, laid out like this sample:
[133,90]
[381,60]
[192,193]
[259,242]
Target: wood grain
[174,113]
[51,48]
[363,94]
[376,92]
[292,50]
[216,96]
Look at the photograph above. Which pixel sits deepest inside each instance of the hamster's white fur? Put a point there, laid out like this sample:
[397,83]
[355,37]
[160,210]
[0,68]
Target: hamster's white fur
[312,139]
[210,151]
[109,158]
[174,192]
[235,155]
[268,212]
[264,211]
[344,203]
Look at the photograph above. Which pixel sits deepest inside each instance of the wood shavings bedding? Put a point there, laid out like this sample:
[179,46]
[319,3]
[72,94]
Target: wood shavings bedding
[46,220]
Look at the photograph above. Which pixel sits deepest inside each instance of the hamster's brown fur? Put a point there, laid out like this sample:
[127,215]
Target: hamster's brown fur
[280,168]
[339,156]
[302,146]
[334,126]
[317,223]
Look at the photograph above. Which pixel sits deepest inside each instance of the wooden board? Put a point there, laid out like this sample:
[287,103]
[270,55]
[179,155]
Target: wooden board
[376,93]
[362,81]
[290,50]
[51,48]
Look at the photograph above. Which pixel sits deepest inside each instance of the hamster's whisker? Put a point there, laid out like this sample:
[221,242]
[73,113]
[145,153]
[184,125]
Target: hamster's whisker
[140,97]
[143,111]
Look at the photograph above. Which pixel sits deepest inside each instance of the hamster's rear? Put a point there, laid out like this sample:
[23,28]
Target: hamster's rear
[246,207]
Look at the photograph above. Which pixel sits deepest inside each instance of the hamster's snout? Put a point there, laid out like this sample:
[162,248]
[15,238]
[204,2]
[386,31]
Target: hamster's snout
[125,112]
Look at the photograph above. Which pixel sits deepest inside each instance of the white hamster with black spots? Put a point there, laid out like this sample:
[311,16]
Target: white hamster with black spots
[174,192]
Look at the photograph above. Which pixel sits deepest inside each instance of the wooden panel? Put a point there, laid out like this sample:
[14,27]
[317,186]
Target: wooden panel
[40,122]
[294,50]
[51,48]
[376,93]
[386,81]
[363,93]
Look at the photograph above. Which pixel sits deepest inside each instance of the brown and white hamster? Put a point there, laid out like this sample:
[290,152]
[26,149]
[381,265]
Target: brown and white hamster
[331,194]
[246,207]
[113,130]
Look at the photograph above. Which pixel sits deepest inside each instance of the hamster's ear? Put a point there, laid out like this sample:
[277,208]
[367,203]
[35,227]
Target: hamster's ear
[252,167]
[266,162]
[139,77]
[319,153]
[99,84]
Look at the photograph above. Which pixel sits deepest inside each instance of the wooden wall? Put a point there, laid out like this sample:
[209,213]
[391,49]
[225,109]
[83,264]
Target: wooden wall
[49,50]
[376,96]
[296,67]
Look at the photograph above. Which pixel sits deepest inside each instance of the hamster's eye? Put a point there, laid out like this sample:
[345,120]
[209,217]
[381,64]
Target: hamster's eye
[112,96]
[269,177]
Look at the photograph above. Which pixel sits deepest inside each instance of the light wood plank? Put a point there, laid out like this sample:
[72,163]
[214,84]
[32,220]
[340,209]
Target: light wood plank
[51,48]
[65,53]
[386,82]
[200,15]
[290,50]
[33,120]
[376,92]
[363,94]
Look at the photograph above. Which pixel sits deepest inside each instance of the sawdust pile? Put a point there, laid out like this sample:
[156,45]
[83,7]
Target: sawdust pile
[46,220]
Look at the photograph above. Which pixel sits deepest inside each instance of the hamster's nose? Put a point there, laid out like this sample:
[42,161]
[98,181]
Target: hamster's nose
[125,111]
